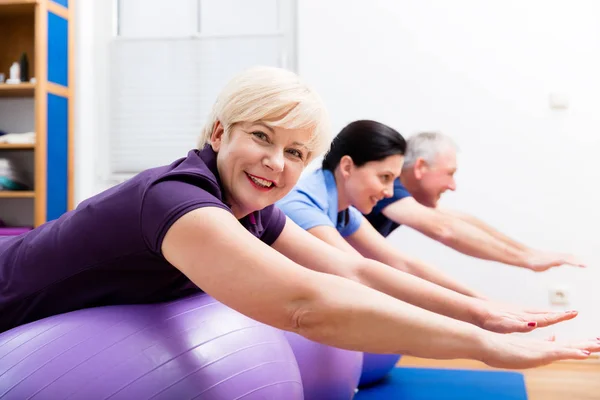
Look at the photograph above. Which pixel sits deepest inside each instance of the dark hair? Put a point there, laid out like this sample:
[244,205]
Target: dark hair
[364,141]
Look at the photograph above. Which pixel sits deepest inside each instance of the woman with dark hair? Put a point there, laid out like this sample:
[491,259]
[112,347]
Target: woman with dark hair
[358,171]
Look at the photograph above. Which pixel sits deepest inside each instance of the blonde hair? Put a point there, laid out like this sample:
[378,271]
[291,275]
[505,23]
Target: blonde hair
[275,96]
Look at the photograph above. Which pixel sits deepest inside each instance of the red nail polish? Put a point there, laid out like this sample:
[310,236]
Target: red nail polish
[531,324]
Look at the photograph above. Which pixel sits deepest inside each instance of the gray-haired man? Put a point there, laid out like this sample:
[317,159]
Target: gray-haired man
[428,172]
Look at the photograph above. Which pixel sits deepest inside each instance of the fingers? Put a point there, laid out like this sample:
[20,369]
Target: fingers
[548,319]
[592,345]
[575,351]
[517,352]
[567,353]
[539,311]
[574,261]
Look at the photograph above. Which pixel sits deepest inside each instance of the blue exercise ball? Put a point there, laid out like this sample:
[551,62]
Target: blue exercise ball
[328,373]
[190,348]
[376,367]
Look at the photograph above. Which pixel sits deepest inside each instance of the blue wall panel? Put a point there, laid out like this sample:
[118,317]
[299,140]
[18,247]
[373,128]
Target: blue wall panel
[57,167]
[58,50]
[64,3]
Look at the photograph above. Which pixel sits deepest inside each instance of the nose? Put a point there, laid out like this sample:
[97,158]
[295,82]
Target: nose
[388,191]
[452,185]
[275,161]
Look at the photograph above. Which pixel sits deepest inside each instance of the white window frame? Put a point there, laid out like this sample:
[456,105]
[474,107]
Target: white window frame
[287,11]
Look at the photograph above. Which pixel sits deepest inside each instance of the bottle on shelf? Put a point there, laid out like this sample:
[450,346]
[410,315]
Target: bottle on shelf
[24,67]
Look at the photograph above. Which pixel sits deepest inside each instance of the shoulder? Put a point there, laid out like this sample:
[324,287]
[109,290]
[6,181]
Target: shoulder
[198,169]
[270,222]
[400,190]
[311,191]
[172,191]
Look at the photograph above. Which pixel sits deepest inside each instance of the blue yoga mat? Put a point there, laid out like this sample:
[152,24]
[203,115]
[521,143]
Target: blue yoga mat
[405,383]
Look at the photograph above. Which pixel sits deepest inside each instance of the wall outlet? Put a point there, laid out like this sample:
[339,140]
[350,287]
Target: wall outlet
[559,295]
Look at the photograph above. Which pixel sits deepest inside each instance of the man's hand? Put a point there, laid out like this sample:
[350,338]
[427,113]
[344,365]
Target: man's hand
[540,261]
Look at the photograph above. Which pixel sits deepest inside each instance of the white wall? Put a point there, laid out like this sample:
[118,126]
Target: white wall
[479,71]
[482,72]
[93,31]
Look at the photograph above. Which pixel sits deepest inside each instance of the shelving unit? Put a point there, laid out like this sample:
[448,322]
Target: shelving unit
[16,194]
[16,146]
[19,90]
[43,29]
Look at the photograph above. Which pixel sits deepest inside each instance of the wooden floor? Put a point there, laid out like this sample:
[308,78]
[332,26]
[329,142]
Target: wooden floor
[558,381]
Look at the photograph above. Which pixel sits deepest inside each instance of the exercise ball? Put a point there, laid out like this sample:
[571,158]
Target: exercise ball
[328,373]
[190,348]
[376,367]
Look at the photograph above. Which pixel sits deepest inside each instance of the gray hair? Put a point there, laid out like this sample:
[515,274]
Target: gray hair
[426,145]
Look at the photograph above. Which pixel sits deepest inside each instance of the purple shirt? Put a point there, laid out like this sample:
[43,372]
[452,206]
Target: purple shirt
[108,250]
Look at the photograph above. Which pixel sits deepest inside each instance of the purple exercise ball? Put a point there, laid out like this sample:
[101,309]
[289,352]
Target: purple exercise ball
[376,367]
[328,373]
[189,348]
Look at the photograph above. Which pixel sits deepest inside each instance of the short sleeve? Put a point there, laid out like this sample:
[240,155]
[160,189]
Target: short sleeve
[354,221]
[273,222]
[400,193]
[168,200]
[305,213]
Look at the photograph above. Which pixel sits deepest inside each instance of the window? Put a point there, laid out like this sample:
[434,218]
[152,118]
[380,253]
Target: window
[168,64]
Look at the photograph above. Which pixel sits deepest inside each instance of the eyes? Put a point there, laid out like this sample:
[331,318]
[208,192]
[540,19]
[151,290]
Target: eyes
[296,153]
[386,178]
[263,137]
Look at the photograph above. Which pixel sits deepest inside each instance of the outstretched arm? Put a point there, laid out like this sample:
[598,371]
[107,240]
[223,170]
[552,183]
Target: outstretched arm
[210,247]
[455,232]
[319,251]
[371,244]
[477,223]
[536,260]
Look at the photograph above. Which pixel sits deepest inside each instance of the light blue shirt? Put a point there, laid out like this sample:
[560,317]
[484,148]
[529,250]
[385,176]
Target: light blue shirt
[314,202]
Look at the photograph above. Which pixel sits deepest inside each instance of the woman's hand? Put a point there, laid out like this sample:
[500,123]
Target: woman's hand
[501,318]
[518,352]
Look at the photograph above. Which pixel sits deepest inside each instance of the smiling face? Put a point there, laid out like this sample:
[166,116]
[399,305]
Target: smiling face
[433,180]
[258,164]
[364,186]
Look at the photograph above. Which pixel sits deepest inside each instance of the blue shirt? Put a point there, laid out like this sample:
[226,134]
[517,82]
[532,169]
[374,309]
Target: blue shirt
[314,202]
[380,222]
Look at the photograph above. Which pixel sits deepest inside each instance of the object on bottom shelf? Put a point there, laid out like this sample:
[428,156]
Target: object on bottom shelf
[17,138]
[9,184]
[14,173]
